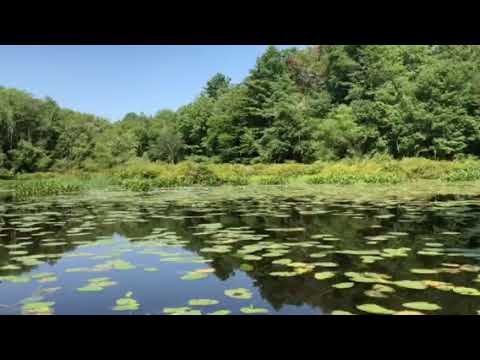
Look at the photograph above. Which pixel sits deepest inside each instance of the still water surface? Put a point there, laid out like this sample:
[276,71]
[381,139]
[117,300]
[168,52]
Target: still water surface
[271,252]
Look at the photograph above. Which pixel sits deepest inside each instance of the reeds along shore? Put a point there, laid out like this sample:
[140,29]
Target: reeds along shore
[142,175]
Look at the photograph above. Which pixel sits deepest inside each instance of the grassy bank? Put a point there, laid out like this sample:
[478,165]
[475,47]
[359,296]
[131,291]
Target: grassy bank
[147,176]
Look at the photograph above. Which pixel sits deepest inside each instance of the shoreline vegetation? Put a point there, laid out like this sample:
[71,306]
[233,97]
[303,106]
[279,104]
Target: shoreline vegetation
[324,114]
[144,176]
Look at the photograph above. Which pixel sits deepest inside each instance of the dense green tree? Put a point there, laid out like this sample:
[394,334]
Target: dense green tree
[318,103]
[139,126]
[192,124]
[217,85]
[115,147]
[165,141]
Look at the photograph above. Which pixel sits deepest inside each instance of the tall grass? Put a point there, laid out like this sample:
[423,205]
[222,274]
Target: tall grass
[141,175]
[26,189]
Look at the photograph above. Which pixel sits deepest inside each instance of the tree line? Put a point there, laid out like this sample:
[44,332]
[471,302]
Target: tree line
[323,102]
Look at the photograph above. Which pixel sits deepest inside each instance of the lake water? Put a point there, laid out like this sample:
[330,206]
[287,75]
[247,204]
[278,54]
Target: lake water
[274,251]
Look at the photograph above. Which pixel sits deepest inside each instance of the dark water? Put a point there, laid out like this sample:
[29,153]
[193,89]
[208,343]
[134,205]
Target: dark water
[139,247]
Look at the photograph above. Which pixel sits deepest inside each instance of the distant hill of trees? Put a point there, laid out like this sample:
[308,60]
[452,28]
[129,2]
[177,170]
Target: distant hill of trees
[324,102]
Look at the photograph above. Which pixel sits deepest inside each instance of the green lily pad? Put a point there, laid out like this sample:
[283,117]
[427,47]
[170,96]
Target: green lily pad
[466,291]
[375,294]
[90,288]
[10,267]
[375,309]
[202,302]
[126,303]
[122,265]
[424,271]
[408,312]
[368,277]
[410,284]
[318,255]
[16,279]
[282,261]
[345,285]
[239,293]
[220,312]
[284,273]
[97,284]
[429,253]
[422,306]
[47,279]
[18,252]
[431,244]
[77,269]
[327,264]
[383,288]
[38,308]
[188,312]
[253,310]
[193,275]
[150,269]
[246,267]
[172,310]
[341,312]
[252,257]
[324,275]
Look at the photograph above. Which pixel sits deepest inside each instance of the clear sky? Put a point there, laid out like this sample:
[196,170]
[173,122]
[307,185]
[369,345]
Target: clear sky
[111,81]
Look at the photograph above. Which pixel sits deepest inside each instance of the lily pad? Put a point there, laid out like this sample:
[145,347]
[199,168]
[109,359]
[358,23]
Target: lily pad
[239,293]
[375,309]
[466,291]
[126,303]
[194,275]
[202,302]
[345,285]
[253,310]
[424,271]
[411,284]
[341,312]
[284,273]
[327,264]
[246,267]
[172,310]
[419,305]
[220,312]
[282,261]
[324,275]
[47,279]
[409,312]
[252,257]
[38,308]
[383,288]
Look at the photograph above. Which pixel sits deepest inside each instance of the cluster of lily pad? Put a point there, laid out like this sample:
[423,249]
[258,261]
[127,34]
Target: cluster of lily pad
[281,249]
[195,304]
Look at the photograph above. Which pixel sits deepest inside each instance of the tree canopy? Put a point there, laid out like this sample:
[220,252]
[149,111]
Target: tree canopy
[324,102]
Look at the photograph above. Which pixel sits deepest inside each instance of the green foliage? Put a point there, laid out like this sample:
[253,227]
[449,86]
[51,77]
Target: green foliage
[217,85]
[318,104]
[44,187]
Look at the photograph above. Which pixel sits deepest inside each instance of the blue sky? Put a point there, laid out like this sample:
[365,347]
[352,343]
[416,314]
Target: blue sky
[111,81]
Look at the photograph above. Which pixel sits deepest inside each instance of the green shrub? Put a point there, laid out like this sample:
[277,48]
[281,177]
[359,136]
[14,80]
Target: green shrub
[270,180]
[235,180]
[140,185]
[6,174]
[26,189]
[190,173]
[468,174]
[35,176]
[347,179]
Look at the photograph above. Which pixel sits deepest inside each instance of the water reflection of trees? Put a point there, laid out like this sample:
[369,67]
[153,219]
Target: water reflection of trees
[299,290]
